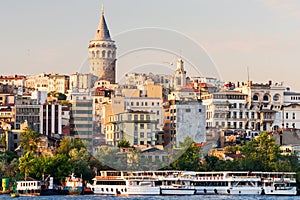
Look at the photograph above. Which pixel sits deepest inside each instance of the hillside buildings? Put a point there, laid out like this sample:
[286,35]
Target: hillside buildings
[148,109]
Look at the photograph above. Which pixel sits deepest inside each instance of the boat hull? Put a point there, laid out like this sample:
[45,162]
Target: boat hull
[143,190]
[177,191]
[244,191]
[211,190]
[288,191]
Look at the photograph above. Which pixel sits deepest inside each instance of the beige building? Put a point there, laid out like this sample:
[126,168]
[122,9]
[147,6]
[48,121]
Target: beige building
[58,83]
[137,127]
[82,82]
[17,80]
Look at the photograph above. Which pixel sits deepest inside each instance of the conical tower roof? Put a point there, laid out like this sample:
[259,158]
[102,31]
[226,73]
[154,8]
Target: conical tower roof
[102,32]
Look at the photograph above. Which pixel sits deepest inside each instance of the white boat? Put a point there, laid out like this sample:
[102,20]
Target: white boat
[174,184]
[225,183]
[124,183]
[278,183]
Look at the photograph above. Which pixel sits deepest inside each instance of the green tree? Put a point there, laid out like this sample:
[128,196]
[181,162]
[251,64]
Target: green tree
[123,143]
[29,140]
[60,168]
[61,97]
[67,144]
[190,158]
[79,160]
[25,165]
[260,154]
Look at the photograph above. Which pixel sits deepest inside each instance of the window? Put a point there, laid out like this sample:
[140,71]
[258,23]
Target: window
[294,116]
[146,103]
[286,115]
[148,135]
[135,117]
[137,103]
[188,110]
[142,117]
[157,112]
[142,135]
[234,115]
[266,98]
[142,126]
[255,97]
[147,117]
[148,126]
[199,110]
[276,97]
[229,115]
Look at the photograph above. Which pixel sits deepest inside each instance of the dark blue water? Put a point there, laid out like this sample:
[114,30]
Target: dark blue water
[196,197]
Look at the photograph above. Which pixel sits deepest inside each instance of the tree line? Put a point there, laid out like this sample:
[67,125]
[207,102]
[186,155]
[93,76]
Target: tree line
[72,156]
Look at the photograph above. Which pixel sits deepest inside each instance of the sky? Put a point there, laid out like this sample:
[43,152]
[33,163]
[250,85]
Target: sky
[227,39]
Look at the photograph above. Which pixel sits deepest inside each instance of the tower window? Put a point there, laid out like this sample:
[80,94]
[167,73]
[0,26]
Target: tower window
[103,54]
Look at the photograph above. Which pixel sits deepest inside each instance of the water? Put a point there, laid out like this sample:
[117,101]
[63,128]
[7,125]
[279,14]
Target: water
[196,197]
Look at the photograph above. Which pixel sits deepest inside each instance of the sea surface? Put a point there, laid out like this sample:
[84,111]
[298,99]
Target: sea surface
[195,197]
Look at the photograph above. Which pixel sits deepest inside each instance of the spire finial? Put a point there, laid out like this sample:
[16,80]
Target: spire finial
[102,9]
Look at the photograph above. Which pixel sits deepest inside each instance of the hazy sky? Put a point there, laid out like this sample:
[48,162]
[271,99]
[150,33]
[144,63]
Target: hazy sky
[212,35]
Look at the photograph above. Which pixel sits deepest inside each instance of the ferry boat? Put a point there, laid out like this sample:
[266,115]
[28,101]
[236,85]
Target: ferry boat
[278,183]
[124,183]
[223,183]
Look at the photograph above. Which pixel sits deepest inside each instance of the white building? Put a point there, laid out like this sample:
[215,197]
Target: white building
[185,119]
[228,109]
